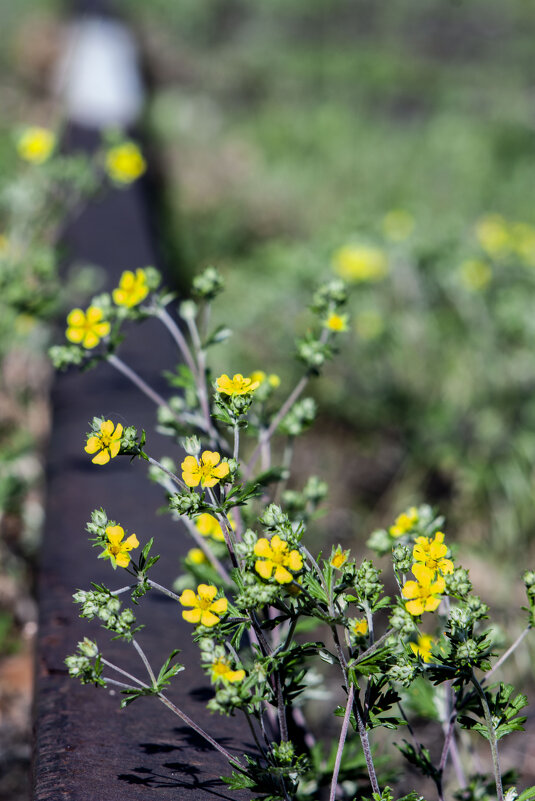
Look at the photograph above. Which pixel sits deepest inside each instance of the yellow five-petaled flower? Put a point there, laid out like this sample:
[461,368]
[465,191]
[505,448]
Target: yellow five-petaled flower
[222,671]
[424,594]
[36,144]
[205,609]
[276,558]
[423,647]
[404,522]
[107,442]
[338,557]
[336,322]
[206,472]
[125,163]
[118,550]
[86,328]
[431,553]
[237,385]
[209,526]
[132,289]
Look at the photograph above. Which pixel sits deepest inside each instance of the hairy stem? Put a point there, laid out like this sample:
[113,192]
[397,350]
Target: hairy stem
[145,661]
[162,589]
[341,742]
[492,737]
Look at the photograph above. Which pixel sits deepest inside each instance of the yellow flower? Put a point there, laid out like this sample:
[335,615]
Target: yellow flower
[259,376]
[237,385]
[36,145]
[336,322]
[132,289]
[360,627]
[118,550]
[276,556]
[86,329]
[205,609]
[196,556]
[360,263]
[206,472]
[424,594]
[107,442]
[423,647]
[369,324]
[431,553]
[338,557]
[405,522]
[475,274]
[398,225]
[124,163]
[222,671]
[209,526]
[493,234]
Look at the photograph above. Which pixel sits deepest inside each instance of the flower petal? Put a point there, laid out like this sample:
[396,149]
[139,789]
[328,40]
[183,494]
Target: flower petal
[210,458]
[208,619]
[75,335]
[188,598]
[206,591]
[101,458]
[93,445]
[220,606]
[192,615]
[114,448]
[263,548]
[411,589]
[282,575]
[115,534]
[295,561]
[131,542]
[264,568]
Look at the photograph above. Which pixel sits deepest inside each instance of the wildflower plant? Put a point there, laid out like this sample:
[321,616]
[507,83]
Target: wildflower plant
[252,590]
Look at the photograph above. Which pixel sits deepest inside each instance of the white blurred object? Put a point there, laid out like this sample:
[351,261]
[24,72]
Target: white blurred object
[98,76]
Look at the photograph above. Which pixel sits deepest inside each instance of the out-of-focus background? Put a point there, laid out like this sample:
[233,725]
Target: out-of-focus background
[390,143]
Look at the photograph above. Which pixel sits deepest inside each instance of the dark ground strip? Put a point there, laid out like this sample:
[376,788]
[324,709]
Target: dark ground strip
[86,748]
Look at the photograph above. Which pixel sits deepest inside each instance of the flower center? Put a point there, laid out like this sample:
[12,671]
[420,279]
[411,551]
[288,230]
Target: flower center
[204,602]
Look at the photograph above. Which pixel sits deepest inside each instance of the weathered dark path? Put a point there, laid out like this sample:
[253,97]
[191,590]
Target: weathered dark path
[86,748]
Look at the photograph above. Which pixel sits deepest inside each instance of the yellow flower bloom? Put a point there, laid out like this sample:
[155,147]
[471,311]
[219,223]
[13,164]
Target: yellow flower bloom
[259,376]
[132,289]
[107,442]
[205,609]
[338,558]
[237,385]
[398,225]
[424,594]
[196,556]
[275,555]
[404,523]
[431,553]
[360,627]
[336,322]
[125,163]
[118,550]
[493,234]
[222,671]
[475,274]
[423,647]
[206,472]
[86,328]
[209,526]
[360,263]
[36,145]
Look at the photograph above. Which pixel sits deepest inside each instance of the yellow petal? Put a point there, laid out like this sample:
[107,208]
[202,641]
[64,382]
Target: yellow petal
[210,458]
[91,340]
[131,542]
[93,314]
[106,428]
[411,590]
[101,458]
[220,606]
[431,604]
[263,548]
[282,575]
[75,335]
[192,615]
[423,574]
[208,619]
[102,329]
[234,676]
[264,568]
[221,470]
[115,534]
[76,318]
[122,559]
[114,448]
[414,607]
[209,481]
[191,479]
[188,598]
[207,591]
[295,561]
[93,445]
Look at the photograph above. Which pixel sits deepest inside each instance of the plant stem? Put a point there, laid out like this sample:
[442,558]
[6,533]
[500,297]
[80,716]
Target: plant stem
[172,476]
[145,661]
[281,711]
[164,590]
[189,722]
[507,653]
[492,737]
[204,546]
[123,673]
[140,383]
[341,742]
[201,381]
[236,442]
[178,337]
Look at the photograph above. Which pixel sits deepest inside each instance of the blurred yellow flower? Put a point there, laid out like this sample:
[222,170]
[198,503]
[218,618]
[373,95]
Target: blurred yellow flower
[424,594]
[207,471]
[423,647]
[196,556]
[336,322]
[404,522]
[36,144]
[132,288]
[475,274]
[359,263]
[237,385]
[86,328]
[118,550]
[205,609]
[125,163]
[107,442]
[259,376]
[493,234]
[398,225]
[209,526]
[338,557]
[222,671]
[360,627]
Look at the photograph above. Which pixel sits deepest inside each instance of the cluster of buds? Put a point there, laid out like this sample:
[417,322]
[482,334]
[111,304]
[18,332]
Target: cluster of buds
[106,607]
[86,665]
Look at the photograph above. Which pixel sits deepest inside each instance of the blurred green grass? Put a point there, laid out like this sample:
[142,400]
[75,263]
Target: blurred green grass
[290,129]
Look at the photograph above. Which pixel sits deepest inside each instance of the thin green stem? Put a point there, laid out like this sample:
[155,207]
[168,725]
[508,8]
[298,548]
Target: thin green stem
[507,653]
[145,661]
[163,590]
[179,338]
[492,737]
[341,742]
[172,476]
[123,672]
[140,383]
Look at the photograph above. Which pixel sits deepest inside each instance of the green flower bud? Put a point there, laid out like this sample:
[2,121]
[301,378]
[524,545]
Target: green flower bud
[402,558]
[402,621]
[458,583]
[188,310]
[208,284]
[380,542]
[192,445]
[403,673]
[186,503]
